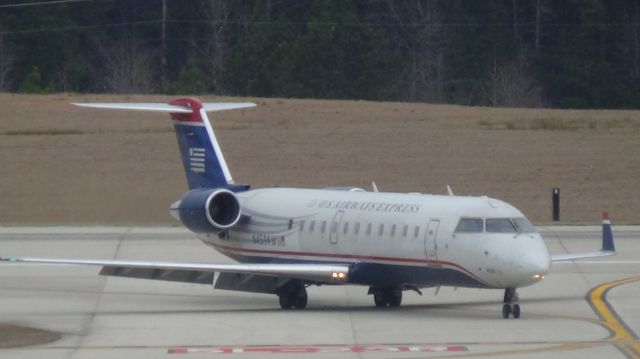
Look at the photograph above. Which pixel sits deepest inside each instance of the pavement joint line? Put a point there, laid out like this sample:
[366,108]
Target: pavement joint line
[621,335]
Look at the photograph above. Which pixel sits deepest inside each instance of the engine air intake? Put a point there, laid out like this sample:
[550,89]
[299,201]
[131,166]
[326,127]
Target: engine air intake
[208,210]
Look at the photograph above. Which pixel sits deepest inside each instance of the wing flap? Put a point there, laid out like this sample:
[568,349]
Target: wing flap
[171,275]
[249,283]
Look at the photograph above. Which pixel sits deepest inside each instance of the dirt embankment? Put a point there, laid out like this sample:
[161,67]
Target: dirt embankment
[60,164]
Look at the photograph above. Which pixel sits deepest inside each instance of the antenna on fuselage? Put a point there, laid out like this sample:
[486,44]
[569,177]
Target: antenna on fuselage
[374,186]
[450,190]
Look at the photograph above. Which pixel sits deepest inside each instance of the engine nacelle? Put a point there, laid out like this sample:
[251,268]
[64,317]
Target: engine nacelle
[207,210]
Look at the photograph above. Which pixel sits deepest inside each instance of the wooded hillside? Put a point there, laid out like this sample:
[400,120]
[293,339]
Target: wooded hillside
[558,53]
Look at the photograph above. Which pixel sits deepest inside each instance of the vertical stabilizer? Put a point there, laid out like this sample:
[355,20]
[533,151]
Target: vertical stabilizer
[204,164]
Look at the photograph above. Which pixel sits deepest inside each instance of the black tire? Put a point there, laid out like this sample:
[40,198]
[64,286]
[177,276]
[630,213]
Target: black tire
[286,301]
[379,298]
[506,311]
[300,299]
[394,297]
[516,311]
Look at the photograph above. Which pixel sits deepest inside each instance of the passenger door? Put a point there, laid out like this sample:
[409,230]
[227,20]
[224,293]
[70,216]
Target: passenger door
[334,230]
[431,246]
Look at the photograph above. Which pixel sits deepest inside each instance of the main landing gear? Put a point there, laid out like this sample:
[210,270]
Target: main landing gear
[292,295]
[386,297]
[511,306]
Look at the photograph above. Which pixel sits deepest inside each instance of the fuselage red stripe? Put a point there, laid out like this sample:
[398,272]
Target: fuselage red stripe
[223,248]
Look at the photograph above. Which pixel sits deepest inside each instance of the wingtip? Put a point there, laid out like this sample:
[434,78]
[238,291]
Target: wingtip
[607,235]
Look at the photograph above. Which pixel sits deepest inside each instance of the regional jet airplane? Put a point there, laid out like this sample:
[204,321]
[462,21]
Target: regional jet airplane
[286,239]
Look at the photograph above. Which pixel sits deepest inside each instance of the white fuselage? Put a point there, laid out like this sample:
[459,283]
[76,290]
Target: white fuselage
[388,237]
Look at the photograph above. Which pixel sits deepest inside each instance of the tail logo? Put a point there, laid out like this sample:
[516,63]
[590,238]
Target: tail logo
[196,159]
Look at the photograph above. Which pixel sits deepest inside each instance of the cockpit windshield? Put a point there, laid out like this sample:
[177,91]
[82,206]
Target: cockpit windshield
[523,225]
[495,225]
[500,225]
[470,225]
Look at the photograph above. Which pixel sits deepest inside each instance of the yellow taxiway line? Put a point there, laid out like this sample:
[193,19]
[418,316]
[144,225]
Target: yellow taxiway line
[622,337]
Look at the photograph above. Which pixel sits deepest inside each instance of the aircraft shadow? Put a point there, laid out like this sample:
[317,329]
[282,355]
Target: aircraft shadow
[481,309]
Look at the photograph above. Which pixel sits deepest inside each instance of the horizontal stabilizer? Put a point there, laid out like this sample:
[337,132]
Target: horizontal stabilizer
[200,152]
[222,106]
[168,108]
[608,246]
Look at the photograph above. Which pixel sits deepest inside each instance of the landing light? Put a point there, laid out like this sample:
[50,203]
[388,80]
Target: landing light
[339,275]
[537,277]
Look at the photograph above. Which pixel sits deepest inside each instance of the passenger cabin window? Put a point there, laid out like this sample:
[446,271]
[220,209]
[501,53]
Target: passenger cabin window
[301,225]
[393,230]
[357,228]
[368,229]
[469,225]
[323,227]
[381,230]
[500,225]
[416,231]
[346,228]
[405,230]
[312,226]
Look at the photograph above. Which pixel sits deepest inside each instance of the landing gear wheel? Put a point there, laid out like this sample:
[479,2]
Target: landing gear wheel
[506,311]
[394,297]
[293,295]
[286,302]
[511,306]
[516,311]
[301,299]
[379,299]
[384,297]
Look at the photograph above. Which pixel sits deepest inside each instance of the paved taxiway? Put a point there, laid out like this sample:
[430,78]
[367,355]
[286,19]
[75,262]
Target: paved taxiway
[99,317]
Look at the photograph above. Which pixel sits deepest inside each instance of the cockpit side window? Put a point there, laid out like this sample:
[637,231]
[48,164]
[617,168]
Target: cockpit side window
[523,225]
[500,225]
[470,225]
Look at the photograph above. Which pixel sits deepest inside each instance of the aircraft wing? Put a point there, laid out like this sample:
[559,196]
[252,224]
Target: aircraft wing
[608,247]
[202,272]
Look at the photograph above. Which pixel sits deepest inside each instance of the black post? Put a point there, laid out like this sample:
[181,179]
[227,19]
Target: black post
[556,204]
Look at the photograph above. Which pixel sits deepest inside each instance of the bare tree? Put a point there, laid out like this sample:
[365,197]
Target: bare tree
[510,85]
[7,63]
[128,66]
[421,38]
[214,51]
[629,43]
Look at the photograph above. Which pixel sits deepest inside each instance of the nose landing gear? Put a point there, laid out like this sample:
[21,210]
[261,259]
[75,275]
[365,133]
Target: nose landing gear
[511,306]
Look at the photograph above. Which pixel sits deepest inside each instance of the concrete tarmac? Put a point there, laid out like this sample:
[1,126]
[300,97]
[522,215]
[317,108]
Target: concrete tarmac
[581,310]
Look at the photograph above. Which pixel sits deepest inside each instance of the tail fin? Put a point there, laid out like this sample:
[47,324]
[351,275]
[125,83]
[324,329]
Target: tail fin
[204,164]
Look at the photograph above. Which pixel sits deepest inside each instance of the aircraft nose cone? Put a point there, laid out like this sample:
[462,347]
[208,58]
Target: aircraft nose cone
[536,266]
